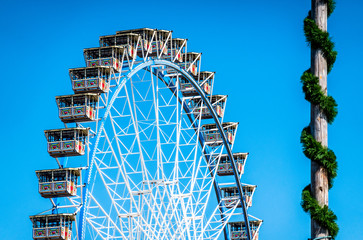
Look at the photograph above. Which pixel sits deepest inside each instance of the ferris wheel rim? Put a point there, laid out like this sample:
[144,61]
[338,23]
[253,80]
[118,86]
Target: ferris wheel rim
[122,81]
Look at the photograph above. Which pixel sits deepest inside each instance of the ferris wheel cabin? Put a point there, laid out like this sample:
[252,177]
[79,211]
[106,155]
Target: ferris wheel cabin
[77,107]
[199,109]
[105,56]
[148,36]
[130,41]
[66,142]
[52,227]
[225,166]
[238,229]
[176,50]
[90,79]
[231,196]
[213,137]
[191,62]
[205,80]
[163,41]
[55,183]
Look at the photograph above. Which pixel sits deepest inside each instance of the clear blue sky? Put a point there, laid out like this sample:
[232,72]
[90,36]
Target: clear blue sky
[257,49]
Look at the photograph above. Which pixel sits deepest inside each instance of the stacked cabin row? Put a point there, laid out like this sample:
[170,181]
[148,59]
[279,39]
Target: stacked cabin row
[213,139]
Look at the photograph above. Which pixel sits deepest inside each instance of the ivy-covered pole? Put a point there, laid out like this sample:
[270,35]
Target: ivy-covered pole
[323,111]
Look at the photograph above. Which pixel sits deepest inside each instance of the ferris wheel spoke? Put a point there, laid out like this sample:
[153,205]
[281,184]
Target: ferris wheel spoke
[204,208]
[206,181]
[141,78]
[134,120]
[169,220]
[144,224]
[120,172]
[196,168]
[158,205]
[109,183]
[162,140]
[136,131]
[93,220]
[215,224]
[156,218]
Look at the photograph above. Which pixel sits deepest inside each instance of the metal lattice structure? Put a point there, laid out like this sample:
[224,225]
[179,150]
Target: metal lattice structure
[154,154]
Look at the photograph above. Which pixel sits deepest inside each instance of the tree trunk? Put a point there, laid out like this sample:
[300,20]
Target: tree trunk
[319,124]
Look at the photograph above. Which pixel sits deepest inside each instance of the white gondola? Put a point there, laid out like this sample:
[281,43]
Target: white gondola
[213,137]
[225,166]
[205,80]
[130,41]
[148,36]
[155,42]
[90,79]
[238,230]
[231,196]
[53,227]
[105,56]
[77,107]
[176,50]
[162,43]
[58,182]
[66,142]
[199,109]
[190,63]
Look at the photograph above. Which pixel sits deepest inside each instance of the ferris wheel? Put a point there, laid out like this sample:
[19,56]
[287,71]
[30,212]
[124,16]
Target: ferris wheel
[145,152]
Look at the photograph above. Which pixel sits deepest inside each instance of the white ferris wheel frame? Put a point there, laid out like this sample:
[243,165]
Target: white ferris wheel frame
[81,202]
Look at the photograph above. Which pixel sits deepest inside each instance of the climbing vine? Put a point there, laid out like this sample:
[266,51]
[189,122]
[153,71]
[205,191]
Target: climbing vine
[314,150]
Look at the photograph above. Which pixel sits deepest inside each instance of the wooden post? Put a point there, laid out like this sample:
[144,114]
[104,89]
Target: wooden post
[319,124]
